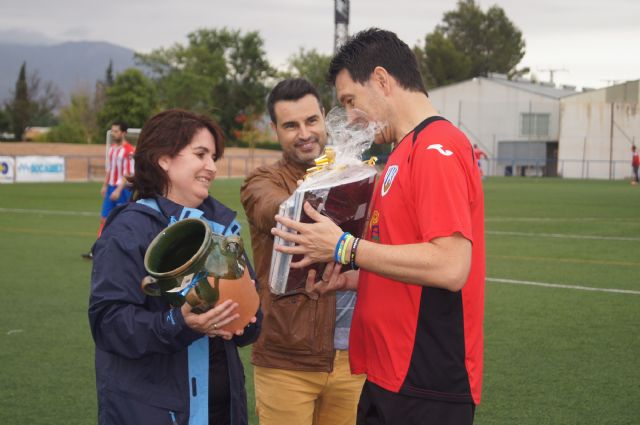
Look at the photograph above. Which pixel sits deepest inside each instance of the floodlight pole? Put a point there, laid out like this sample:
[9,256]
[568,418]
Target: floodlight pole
[341,19]
[341,30]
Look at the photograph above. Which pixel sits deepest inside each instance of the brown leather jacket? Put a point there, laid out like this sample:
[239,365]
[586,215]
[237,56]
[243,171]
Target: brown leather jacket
[297,329]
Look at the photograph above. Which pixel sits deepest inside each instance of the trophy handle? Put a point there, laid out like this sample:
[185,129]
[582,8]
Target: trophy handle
[150,286]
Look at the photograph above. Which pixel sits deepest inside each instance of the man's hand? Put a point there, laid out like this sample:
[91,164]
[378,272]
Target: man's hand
[115,194]
[332,280]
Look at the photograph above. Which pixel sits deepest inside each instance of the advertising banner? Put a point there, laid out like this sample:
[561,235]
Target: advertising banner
[39,169]
[7,167]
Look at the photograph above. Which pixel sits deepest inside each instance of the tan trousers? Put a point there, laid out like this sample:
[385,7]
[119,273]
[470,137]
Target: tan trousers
[286,397]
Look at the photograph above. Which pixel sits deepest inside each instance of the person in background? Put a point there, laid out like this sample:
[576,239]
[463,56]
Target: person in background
[119,166]
[479,154]
[419,271]
[157,363]
[301,362]
[635,163]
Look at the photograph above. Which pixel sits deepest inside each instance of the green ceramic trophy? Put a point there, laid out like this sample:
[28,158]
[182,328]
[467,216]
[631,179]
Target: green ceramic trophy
[186,261]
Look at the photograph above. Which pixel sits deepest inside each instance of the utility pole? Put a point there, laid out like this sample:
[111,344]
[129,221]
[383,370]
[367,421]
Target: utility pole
[341,31]
[611,142]
[612,82]
[552,72]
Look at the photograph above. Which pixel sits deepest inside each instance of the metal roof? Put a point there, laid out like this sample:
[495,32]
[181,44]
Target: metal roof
[542,89]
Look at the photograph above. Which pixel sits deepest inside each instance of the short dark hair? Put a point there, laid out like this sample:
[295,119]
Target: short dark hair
[375,47]
[166,133]
[121,124]
[290,89]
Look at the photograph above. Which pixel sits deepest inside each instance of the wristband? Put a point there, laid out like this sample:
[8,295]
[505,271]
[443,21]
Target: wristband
[339,245]
[354,247]
[344,256]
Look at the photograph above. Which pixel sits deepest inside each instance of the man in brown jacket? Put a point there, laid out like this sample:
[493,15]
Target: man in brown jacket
[301,363]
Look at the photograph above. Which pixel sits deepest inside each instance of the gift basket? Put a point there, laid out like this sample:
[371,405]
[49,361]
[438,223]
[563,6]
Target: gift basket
[339,186]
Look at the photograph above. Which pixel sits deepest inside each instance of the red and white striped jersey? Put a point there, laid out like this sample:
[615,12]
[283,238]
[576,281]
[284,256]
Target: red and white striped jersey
[119,162]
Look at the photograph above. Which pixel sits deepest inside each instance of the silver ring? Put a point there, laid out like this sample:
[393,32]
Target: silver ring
[215,326]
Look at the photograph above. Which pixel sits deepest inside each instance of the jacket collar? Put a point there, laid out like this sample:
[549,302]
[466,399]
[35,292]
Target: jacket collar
[212,209]
[295,168]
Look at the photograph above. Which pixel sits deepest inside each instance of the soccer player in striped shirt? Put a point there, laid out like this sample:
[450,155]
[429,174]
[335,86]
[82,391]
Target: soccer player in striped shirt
[119,166]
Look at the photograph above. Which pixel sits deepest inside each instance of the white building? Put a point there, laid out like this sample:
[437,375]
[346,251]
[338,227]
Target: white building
[516,122]
[597,130]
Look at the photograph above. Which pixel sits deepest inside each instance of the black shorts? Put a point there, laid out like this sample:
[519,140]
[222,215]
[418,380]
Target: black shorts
[378,406]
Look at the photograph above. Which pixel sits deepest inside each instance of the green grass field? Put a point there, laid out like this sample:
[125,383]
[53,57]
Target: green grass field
[562,321]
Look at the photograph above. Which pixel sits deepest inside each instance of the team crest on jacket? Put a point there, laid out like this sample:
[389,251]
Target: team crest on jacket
[388,179]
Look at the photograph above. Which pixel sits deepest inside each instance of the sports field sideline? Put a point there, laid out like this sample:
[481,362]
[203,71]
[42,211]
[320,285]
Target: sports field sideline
[562,328]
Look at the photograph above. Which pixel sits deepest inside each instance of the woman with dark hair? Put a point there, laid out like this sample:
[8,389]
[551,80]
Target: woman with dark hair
[157,363]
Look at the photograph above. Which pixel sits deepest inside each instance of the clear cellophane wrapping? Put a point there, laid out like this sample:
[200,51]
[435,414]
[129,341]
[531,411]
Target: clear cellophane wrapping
[340,188]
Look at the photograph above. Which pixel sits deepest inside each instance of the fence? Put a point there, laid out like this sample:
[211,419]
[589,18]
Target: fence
[79,168]
[567,168]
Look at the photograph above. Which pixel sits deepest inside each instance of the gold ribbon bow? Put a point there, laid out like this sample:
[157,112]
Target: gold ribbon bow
[322,162]
[327,159]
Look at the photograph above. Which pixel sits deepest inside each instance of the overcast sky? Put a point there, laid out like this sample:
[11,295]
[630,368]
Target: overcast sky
[595,42]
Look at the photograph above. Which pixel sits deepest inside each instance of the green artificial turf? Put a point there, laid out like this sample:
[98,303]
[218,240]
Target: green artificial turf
[562,353]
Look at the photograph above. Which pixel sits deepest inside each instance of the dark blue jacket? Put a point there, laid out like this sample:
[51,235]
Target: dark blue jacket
[142,343]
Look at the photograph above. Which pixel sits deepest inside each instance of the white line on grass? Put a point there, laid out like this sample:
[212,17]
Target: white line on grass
[572,219]
[557,285]
[565,260]
[563,236]
[48,212]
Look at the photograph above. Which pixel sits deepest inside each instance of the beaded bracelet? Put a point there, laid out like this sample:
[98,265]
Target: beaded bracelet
[352,261]
[339,247]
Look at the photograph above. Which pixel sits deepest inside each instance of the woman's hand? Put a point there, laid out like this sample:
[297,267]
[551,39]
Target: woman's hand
[316,241]
[211,322]
[332,280]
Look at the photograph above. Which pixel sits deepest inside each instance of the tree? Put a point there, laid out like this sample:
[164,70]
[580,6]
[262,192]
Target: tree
[19,108]
[440,62]
[102,86]
[108,77]
[314,67]
[78,121]
[470,43]
[5,121]
[33,102]
[221,73]
[132,98]
[44,99]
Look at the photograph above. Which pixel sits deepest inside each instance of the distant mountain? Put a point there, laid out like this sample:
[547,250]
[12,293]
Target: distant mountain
[68,65]
[24,36]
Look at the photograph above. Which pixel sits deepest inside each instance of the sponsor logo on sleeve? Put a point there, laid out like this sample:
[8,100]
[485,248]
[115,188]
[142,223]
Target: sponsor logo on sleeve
[438,147]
